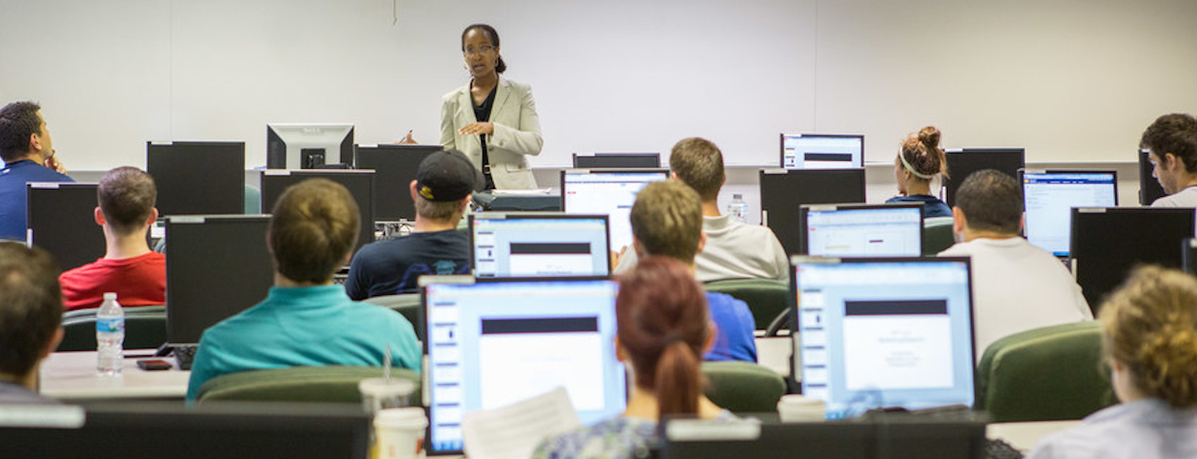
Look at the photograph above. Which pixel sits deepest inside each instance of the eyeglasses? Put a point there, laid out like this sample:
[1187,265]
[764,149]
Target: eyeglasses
[484,49]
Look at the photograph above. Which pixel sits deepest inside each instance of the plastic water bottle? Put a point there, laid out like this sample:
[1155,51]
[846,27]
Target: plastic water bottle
[738,209]
[110,336]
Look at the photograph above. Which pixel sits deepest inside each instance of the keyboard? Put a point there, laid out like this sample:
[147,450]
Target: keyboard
[185,355]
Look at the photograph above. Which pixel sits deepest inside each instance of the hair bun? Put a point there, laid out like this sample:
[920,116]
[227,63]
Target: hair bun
[929,136]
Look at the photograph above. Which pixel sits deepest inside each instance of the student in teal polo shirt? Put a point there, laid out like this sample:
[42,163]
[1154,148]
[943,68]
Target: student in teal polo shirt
[306,320]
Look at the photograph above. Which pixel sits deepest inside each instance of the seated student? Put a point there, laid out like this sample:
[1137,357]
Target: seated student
[1149,340]
[667,220]
[30,320]
[733,250]
[1171,143]
[919,160]
[306,320]
[1017,286]
[129,268]
[442,191]
[28,156]
[662,327]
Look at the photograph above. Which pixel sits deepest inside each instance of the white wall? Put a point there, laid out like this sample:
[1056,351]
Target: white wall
[1071,80]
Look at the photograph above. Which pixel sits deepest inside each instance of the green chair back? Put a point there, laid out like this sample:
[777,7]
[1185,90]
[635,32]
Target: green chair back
[766,298]
[1046,374]
[253,201]
[332,384]
[743,387]
[145,328]
[937,235]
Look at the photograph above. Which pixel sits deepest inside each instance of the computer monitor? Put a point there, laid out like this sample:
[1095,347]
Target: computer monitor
[883,332]
[60,218]
[885,230]
[360,184]
[1149,186]
[617,161]
[216,267]
[308,146]
[963,162]
[394,168]
[608,192]
[1108,241]
[783,192]
[198,178]
[822,151]
[130,429]
[1049,196]
[539,245]
[499,341]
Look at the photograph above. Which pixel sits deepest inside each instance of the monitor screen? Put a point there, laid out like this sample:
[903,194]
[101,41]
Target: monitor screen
[784,192]
[862,231]
[610,193]
[61,219]
[495,343]
[308,146]
[539,245]
[198,178]
[822,151]
[1149,186]
[1049,196]
[394,168]
[884,332]
[216,267]
[962,163]
[359,183]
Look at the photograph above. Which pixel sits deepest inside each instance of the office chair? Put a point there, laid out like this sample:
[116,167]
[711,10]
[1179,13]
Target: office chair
[937,235]
[743,387]
[145,328]
[253,201]
[765,297]
[331,384]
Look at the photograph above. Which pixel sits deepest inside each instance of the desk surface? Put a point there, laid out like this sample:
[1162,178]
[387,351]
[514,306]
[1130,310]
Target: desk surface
[73,376]
[1025,435]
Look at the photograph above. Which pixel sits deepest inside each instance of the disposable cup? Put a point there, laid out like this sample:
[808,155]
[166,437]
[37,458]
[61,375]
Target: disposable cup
[399,433]
[379,394]
[799,408]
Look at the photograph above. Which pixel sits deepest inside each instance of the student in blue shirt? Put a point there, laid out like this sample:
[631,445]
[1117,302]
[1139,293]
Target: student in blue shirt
[28,156]
[919,161]
[306,320]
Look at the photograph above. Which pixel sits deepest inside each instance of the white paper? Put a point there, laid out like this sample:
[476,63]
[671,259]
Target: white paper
[514,431]
[522,192]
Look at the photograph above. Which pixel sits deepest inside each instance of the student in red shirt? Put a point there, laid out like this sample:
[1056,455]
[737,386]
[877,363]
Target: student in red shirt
[137,274]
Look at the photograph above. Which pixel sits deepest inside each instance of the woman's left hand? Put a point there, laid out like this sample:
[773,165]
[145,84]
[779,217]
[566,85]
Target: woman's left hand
[481,127]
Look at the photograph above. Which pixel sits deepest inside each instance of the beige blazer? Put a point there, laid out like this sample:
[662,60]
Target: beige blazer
[517,132]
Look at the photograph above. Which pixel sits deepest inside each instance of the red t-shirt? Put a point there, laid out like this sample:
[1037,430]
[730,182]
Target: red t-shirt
[137,281]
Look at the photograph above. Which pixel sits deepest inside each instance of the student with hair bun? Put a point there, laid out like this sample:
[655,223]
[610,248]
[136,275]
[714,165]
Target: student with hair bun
[919,161]
[663,330]
[1149,339]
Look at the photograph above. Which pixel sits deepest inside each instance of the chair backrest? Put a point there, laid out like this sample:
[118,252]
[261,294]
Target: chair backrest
[743,387]
[253,200]
[766,298]
[1045,374]
[331,384]
[937,235]
[407,304]
[145,328]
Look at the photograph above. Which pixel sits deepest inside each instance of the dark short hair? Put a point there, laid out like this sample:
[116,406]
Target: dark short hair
[30,306]
[492,35]
[991,201]
[18,121]
[1175,133]
[667,220]
[698,163]
[313,227]
[126,196]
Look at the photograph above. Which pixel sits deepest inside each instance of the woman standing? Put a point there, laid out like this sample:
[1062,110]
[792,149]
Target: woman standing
[492,120]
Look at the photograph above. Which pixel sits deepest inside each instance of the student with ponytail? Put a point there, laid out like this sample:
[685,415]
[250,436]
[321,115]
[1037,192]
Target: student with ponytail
[919,161]
[663,331]
[1150,343]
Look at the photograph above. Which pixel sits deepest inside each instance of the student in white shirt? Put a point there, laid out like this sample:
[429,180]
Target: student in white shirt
[1016,286]
[733,250]
[1171,142]
[1149,329]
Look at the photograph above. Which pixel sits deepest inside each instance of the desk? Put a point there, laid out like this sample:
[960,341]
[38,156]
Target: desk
[1025,435]
[72,376]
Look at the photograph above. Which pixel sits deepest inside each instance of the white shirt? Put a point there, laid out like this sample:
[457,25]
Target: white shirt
[1018,287]
[733,250]
[1144,429]
[1183,198]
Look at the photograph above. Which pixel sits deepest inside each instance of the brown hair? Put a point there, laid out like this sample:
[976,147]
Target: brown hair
[18,122]
[663,324]
[30,306]
[922,152]
[440,211]
[1175,133]
[698,163]
[991,201]
[667,220]
[313,227]
[1150,325]
[126,196]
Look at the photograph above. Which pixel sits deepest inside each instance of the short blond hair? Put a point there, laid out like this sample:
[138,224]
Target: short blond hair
[667,220]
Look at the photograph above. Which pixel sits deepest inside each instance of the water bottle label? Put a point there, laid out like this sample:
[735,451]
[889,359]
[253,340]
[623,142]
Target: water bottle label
[113,325]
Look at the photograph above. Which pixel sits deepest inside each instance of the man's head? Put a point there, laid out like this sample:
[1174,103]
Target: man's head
[313,229]
[667,220]
[1172,145]
[989,202]
[443,186]
[23,133]
[30,308]
[699,163]
[126,196]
